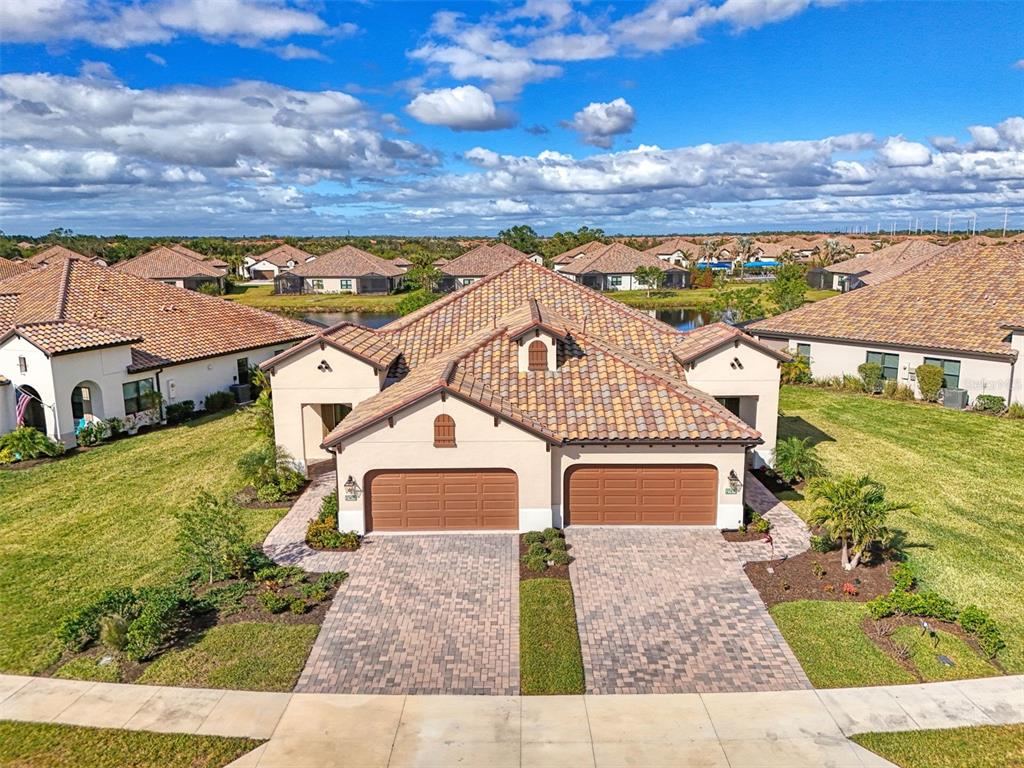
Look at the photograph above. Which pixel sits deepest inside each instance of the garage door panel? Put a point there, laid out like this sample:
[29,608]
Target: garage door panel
[433,500]
[642,495]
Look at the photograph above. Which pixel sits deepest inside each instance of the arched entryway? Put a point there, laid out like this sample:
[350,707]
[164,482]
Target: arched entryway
[34,414]
[86,403]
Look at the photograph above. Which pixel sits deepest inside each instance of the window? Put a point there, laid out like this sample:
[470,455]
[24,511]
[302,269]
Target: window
[804,350]
[732,404]
[890,364]
[243,370]
[538,352]
[332,414]
[22,365]
[317,285]
[615,280]
[136,396]
[345,284]
[444,431]
[950,371]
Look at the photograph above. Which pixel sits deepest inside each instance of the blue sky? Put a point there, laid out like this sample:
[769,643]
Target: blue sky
[249,117]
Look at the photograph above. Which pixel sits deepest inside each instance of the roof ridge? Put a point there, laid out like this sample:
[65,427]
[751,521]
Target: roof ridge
[65,281]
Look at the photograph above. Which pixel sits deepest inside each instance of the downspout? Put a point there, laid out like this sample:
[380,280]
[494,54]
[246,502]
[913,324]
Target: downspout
[1009,394]
[160,390]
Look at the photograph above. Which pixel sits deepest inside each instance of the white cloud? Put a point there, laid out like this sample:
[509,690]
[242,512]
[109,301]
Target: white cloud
[160,61]
[899,153]
[985,136]
[599,123]
[465,108]
[1018,64]
[108,25]
[291,52]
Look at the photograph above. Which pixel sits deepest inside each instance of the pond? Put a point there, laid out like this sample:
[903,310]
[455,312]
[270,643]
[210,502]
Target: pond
[682,319]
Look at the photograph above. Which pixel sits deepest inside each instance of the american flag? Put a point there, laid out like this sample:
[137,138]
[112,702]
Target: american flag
[21,406]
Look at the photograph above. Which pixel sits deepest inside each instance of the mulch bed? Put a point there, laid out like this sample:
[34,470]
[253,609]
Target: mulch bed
[776,484]
[747,535]
[795,578]
[552,572]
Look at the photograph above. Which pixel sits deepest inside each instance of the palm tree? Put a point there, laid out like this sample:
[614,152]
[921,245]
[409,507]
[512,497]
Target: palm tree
[853,510]
[832,251]
[795,459]
[744,248]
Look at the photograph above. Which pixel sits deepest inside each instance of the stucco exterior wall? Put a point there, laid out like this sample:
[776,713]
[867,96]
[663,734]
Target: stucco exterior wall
[979,376]
[524,350]
[6,408]
[194,381]
[724,458]
[103,370]
[299,382]
[39,376]
[755,376]
[331,285]
[479,444]
[1017,343]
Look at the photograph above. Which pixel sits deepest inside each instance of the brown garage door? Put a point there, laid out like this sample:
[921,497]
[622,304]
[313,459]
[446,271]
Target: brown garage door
[262,274]
[443,500]
[642,495]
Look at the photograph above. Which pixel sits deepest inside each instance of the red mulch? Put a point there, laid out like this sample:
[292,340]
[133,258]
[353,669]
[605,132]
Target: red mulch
[552,572]
[795,579]
[748,535]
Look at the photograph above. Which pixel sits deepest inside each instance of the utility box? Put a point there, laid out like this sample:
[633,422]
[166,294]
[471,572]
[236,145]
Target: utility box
[241,392]
[954,398]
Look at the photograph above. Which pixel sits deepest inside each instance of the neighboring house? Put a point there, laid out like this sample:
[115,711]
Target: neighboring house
[798,246]
[402,263]
[875,267]
[172,267]
[961,310]
[268,265]
[567,257]
[57,253]
[611,268]
[525,401]
[478,262]
[85,343]
[676,250]
[344,270]
[10,268]
[213,261]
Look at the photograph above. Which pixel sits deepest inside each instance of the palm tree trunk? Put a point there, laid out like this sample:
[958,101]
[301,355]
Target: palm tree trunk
[845,556]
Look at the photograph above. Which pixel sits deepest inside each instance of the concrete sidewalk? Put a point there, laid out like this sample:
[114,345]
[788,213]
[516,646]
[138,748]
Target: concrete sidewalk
[733,730]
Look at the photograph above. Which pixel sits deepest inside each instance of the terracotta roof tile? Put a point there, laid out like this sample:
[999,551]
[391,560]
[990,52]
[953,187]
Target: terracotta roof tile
[911,252]
[707,338]
[958,301]
[673,244]
[352,338]
[613,259]
[347,261]
[483,260]
[280,255]
[52,254]
[10,268]
[213,261]
[583,250]
[163,263]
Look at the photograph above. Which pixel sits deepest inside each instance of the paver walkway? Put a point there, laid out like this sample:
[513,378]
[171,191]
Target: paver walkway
[670,610]
[794,729]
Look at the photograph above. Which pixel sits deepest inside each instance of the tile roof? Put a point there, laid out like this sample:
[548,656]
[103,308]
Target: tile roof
[710,337]
[673,244]
[614,259]
[958,301]
[358,340]
[911,251]
[483,260]
[598,393]
[583,250]
[282,254]
[54,253]
[163,263]
[10,268]
[347,261]
[79,305]
[213,261]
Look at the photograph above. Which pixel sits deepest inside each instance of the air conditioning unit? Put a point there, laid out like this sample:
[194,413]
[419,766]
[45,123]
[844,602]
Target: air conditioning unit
[954,398]
[242,394]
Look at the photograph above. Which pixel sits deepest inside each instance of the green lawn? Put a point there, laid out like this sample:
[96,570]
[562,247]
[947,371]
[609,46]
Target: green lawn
[30,745]
[962,472]
[549,644]
[925,650]
[263,296]
[832,648]
[245,656]
[690,298]
[982,746]
[103,518]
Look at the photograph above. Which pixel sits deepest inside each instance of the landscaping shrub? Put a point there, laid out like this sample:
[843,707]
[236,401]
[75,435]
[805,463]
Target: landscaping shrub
[26,443]
[314,591]
[823,543]
[896,391]
[981,625]
[903,577]
[795,458]
[924,604]
[209,288]
[796,372]
[81,628]
[760,524]
[179,412]
[211,538]
[537,550]
[535,564]
[552,533]
[218,401]
[324,534]
[114,632]
[929,381]
[115,426]
[332,578]
[91,433]
[560,557]
[277,576]
[557,545]
[272,602]
[415,300]
[1015,411]
[163,611]
[270,470]
[870,376]
[533,537]
[298,606]
[228,599]
[329,506]
[989,403]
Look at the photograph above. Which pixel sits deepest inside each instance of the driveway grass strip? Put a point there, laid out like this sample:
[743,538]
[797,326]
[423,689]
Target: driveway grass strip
[29,745]
[550,659]
[981,746]
[104,518]
[832,648]
[247,656]
[961,472]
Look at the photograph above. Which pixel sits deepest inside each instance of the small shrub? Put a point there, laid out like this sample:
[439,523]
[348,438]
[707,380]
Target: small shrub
[557,545]
[26,443]
[795,458]
[414,300]
[560,557]
[927,604]
[329,506]
[81,628]
[535,564]
[91,433]
[180,412]
[903,577]
[115,426]
[273,602]
[211,288]
[537,550]
[269,493]
[332,578]
[552,533]
[981,625]
[989,403]
[298,606]
[819,570]
[870,376]
[228,599]
[324,534]
[163,610]
[218,401]
[850,589]
[929,381]
[534,537]
[798,371]
[760,524]
[114,632]
[275,576]
[313,591]
[211,538]
[1015,411]
[823,543]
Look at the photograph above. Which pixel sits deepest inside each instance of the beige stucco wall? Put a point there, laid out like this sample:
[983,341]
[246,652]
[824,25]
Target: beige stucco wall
[331,285]
[757,382]
[38,375]
[479,444]
[1017,342]
[723,458]
[979,376]
[524,350]
[298,382]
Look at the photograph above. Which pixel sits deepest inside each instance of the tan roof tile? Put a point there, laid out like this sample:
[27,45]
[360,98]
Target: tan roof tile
[280,255]
[583,250]
[358,340]
[909,252]
[614,259]
[483,260]
[213,261]
[10,268]
[708,338]
[163,263]
[347,261]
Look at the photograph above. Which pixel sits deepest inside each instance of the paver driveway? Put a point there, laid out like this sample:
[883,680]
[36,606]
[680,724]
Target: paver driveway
[670,610]
[426,614]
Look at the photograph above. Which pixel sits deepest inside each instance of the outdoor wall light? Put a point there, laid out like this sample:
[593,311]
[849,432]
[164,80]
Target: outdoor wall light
[324,367]
[352,489]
